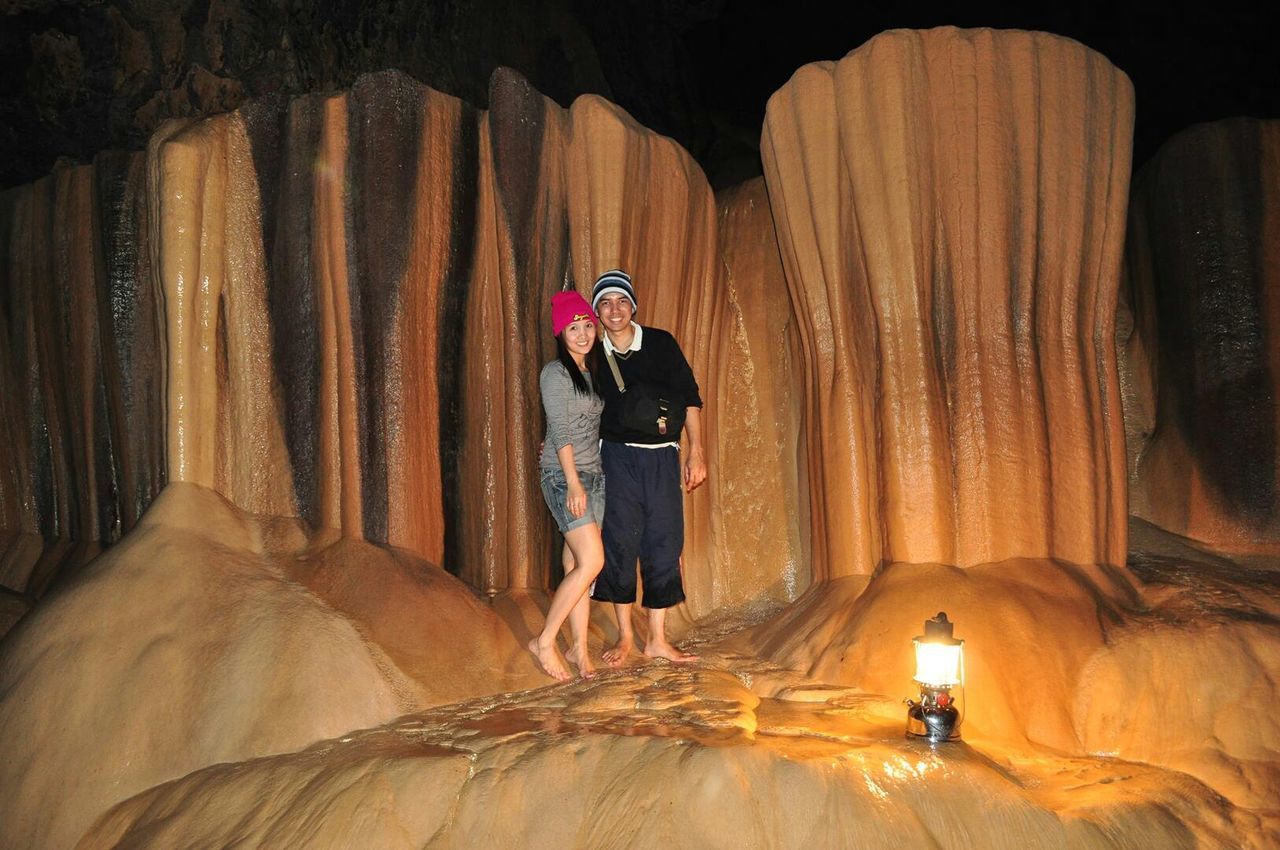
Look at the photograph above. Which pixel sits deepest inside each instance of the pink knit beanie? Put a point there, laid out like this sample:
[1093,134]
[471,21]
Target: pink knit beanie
[567,308]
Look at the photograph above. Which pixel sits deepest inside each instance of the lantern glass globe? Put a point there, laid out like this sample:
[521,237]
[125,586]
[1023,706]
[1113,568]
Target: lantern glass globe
[938,664]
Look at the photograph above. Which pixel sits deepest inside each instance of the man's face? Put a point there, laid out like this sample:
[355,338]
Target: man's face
[615,312]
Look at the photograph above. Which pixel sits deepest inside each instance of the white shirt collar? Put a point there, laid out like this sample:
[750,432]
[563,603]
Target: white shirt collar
[636,339]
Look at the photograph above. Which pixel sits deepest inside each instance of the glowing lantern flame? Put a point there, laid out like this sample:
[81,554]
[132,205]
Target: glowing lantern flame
[938,664]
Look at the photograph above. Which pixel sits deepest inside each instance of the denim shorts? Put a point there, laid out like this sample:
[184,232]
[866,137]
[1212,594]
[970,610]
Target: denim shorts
[555,489]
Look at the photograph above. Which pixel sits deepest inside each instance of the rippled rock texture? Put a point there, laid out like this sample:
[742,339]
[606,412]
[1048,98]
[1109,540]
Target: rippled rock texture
[1202,348]
[951,219]
[700,762]
[210,636]
[81,368]
[353,292]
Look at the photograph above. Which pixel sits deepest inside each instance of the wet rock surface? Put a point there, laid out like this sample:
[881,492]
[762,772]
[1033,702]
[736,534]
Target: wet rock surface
[663,755]
[211,636]
[233,703]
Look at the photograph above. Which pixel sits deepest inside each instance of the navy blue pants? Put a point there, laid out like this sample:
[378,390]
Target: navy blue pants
[643,518]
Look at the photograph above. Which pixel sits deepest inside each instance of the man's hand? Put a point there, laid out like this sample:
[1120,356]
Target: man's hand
[695,466]
[695,470]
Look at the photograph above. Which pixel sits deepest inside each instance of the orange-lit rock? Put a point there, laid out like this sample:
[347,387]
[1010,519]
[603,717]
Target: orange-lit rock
[363,361]
[520,259]
[638,201]
[695,760]
[1031,626]
[224,429]
[80,399]
[355,290]
[1188,683]
[950,207]
[759,524]
[209,636]
[1199,334]
[388,281]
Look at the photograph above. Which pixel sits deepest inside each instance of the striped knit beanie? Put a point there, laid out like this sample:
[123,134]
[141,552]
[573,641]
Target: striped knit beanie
[614,280]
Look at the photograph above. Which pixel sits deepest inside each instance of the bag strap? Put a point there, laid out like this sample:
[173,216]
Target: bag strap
[613,367]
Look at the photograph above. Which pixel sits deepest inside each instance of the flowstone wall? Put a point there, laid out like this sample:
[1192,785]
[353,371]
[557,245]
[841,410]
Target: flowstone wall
[81,368]
[950,208]
[353,288]
[1199,335]
[337,307]
[347,312]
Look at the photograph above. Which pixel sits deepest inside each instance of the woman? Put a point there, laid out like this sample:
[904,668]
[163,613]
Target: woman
[572,481]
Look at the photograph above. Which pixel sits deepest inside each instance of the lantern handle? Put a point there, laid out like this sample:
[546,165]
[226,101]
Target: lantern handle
[939,628]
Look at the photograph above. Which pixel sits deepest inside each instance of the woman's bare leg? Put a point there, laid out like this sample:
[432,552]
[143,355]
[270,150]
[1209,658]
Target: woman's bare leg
[588,556]
[579,620]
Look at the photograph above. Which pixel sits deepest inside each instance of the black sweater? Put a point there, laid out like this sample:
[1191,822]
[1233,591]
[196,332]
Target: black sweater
[659,363]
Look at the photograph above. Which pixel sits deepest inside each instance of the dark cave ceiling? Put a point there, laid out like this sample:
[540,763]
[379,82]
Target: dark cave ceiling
[80,76]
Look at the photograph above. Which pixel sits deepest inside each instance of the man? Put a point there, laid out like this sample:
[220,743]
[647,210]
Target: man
[644,507]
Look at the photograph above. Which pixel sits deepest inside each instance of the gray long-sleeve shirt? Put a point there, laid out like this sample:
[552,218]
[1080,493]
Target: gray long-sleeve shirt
[572,419]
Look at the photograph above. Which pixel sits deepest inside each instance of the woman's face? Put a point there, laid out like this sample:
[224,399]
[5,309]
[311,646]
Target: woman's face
[579,336]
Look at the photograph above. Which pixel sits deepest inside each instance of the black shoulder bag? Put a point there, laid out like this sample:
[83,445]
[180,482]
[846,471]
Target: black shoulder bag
[644,408]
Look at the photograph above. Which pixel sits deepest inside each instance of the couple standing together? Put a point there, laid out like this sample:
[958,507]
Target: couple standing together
[615,409]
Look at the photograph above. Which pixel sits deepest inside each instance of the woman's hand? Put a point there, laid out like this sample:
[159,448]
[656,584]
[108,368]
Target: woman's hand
[577,500]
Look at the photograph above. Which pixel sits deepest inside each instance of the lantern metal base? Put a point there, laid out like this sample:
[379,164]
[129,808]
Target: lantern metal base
[933,722]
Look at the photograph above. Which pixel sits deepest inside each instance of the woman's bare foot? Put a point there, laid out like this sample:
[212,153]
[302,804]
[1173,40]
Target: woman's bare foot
[549,660]
[580,658]
[617,655]
[662,649]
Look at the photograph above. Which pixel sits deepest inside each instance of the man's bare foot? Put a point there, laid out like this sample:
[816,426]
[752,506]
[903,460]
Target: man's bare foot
[662,649]
[580,658]
[549,660]
[617,655]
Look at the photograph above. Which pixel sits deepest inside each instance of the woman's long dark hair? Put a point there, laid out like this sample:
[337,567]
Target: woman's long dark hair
[591,361]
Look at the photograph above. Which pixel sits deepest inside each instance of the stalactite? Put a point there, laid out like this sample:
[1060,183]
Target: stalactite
[520,259]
